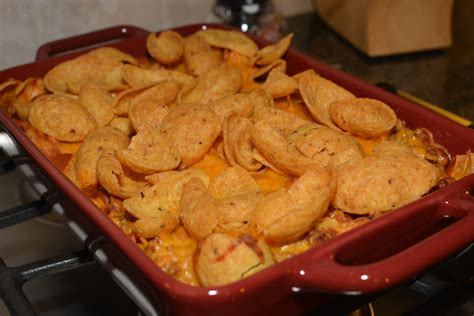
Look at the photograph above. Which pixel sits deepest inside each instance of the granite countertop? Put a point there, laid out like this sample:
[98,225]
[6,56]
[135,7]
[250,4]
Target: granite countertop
[442,77]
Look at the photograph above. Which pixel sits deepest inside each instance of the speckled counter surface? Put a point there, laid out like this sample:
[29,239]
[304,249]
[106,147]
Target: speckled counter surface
[442,77]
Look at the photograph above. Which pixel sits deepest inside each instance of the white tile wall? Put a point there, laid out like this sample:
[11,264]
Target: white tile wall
[26,24]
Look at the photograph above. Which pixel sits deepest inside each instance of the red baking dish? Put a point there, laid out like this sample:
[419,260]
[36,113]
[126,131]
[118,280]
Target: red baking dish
[371,258]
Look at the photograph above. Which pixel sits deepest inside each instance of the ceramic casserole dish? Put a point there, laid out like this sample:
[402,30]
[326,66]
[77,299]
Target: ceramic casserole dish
[371,258]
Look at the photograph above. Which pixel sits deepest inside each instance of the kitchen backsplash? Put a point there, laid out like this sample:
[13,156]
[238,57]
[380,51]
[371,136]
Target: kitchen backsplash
[26,24]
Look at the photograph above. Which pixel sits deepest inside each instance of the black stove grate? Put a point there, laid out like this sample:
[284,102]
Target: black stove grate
[25,212]
[13,278]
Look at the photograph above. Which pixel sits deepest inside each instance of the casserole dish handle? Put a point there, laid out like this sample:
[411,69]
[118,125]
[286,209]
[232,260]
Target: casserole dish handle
[85,40]
[360,264]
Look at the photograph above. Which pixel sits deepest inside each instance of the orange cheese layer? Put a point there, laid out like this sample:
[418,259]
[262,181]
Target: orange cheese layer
[173,253]
[69,148]
[213,164]
[295,106]
[369,144]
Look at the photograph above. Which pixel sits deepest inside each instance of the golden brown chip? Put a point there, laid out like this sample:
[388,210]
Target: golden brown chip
[9,84]
[138,77]
[278,65]
[363,117]
[199,57]
[237,143]
[123,100]
[166,47]
[261,98]
[123,124]
[149,152]
[164,196]
[381,184]
[225,258]
[8,96]
[220,151]
[102,67]
[98,102]
[214,85]
[150,227]
[160,176]
[318,94]
[55,79]
[147,115]
[175,174]
[234,59]
[329,147]
[232,40]
[233,181]
[149,108]
[148,63]
[234,212]
[198,210]
[164,92]
[25,93]
[274,148]
[284,122]
[180,67]
[285,215]
[392,148]
[240,103]
[70,171]
[113,54]
[49,145]
[191,129]
[71,74]
[112,178]
[233,129]
[103,140]
[279,84]
[270,53]
[61,117]
[68,95]
[104,73]
[264,162]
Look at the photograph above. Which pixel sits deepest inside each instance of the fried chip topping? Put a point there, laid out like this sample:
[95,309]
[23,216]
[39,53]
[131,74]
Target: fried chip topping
[381,184]
[166,48]
[215,160]
[318,94]
[232,40]
[61,117]
[363,117]
[191,129]
[102,67]
[149,152]
[103,140]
